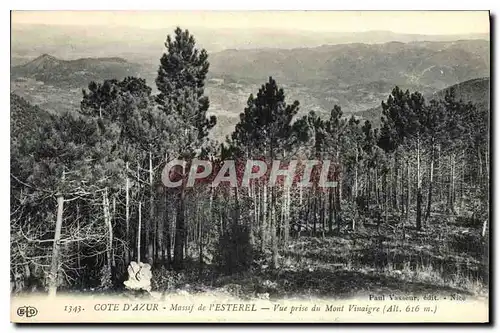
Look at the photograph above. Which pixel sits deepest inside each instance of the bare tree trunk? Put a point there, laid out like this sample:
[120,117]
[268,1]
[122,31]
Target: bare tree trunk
[408,199]
[479,155]
[111,220]
[257,222]
[78,252]
[431,183]
[283,218]
[386,196]
[331,210]
[323,214]
[419,189]
[339,191]
[251,226]
[274,238]
[451,188]
[200,240]
[160,245]
[186,232]
[139,228]
[167,231]
[487,163]
[402,191]
[368,187]
[395,182]
[441,177]
[171,236]
[180,233]
[300,195]
[150,226]
[54,266]
[308,210]
[462,180]
[453,167]
[356,175]
[263,225]
[336,203]
[286,227]
[314,214]
[272,219]
[107,221]
[127,215]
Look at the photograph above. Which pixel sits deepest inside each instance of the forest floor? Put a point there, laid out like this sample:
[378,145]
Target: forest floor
[448,256]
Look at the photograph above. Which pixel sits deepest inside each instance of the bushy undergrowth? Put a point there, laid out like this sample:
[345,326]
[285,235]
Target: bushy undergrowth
[444,258]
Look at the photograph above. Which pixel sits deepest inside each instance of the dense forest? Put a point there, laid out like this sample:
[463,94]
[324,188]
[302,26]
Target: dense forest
[410,210]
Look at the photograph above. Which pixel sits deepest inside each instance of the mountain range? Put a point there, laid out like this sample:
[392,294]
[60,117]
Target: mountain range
[355,76]
[425,63]
[74,73]
[24,115]
[476,91]
[146,45]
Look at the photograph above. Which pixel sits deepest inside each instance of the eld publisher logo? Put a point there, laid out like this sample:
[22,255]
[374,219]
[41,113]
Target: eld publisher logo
[27,311]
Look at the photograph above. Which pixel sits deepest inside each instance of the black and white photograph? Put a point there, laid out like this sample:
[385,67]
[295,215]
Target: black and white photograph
[250,166]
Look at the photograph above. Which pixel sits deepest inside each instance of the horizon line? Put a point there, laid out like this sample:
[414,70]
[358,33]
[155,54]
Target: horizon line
[406,22]
[184,27]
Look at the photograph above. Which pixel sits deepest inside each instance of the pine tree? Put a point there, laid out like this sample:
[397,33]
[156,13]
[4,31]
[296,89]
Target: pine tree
[455,137]
[433,122]
[265,126]
[402,125]
[180,81]
[182,73]
[264,130]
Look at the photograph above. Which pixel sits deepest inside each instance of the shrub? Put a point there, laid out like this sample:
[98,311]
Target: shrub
[234,250]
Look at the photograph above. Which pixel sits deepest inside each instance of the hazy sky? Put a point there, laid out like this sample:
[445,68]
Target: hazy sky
[415,22]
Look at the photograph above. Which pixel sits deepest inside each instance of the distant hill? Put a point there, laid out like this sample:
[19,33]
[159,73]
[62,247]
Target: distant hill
[74,73]
[434,64]
[355,76]
[31,40]
[476,91]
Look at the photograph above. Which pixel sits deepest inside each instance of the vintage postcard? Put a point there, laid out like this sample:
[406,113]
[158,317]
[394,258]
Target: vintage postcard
[286,166]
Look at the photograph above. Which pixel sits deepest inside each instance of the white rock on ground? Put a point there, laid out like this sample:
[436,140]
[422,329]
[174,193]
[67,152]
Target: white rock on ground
[139,276]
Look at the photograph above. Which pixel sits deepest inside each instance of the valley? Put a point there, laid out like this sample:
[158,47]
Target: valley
[355,76]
